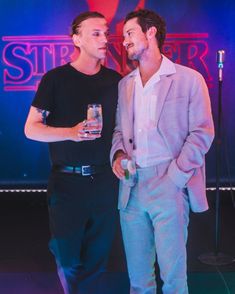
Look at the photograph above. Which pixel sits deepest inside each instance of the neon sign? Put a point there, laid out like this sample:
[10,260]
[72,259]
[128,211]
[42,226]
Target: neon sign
[27,58]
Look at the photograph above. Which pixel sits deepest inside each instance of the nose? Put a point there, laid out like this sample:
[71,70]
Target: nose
[125,42]
[105,38]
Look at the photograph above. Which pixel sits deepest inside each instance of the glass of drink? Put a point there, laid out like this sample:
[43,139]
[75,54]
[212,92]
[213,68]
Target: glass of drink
[94,111]
[130,177]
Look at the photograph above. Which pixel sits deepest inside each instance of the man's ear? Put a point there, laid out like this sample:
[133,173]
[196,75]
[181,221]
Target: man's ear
[151,32]
[76,40]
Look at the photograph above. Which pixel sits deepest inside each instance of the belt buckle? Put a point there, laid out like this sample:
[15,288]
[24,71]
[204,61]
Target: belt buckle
[86,170]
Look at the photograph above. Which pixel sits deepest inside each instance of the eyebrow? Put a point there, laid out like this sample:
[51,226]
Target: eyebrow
[98,30]
[131,29]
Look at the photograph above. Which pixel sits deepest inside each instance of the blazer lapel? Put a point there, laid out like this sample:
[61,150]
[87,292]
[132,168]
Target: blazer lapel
[130,87]
[162,88]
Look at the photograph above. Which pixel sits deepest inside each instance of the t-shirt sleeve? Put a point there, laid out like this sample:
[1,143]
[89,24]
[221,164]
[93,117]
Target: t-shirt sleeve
[44,96]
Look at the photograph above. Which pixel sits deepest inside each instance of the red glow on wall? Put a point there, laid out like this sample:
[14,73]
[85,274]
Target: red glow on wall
[140,5]
[108,10]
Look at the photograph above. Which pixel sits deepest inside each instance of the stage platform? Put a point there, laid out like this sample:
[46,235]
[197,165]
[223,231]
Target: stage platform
[27,267]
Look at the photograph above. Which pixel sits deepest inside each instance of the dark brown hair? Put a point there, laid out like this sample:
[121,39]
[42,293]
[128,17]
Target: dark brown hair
[81,17]
[147,19]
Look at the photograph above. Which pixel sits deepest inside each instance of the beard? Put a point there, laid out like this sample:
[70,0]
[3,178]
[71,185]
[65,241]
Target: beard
[133,55]
[136,53]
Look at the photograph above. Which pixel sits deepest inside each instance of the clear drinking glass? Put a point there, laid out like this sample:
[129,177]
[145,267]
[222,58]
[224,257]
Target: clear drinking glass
[94,111]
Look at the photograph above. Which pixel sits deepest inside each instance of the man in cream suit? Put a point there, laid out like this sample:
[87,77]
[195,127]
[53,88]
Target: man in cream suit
[164,125]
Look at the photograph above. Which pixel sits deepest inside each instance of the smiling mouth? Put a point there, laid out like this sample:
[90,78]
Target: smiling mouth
[129,46]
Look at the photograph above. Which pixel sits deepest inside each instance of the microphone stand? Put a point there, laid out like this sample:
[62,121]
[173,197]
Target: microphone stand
[217,257]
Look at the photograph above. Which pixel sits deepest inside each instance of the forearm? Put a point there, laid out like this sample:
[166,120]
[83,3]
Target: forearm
[37,129]
[44,133]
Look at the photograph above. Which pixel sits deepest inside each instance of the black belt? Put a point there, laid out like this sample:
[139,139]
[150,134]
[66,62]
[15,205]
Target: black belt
[84,170]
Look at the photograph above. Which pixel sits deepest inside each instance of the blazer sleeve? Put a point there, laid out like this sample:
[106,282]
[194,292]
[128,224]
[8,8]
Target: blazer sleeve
[117,140]
[200,135]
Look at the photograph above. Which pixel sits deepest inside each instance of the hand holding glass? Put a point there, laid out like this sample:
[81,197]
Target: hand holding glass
[94,112]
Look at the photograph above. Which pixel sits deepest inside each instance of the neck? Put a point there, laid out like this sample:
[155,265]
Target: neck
[87,66]
[149,65]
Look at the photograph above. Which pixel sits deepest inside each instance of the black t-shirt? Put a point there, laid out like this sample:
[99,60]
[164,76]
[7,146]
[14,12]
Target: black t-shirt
[65,93]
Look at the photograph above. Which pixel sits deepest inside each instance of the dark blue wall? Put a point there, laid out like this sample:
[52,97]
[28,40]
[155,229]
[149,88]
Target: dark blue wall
[207,26]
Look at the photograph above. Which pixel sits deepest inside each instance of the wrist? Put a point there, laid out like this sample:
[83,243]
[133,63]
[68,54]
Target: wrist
[71,133]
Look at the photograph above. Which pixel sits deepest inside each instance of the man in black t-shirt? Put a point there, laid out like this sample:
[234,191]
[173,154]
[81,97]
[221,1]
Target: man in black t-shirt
[82,191]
